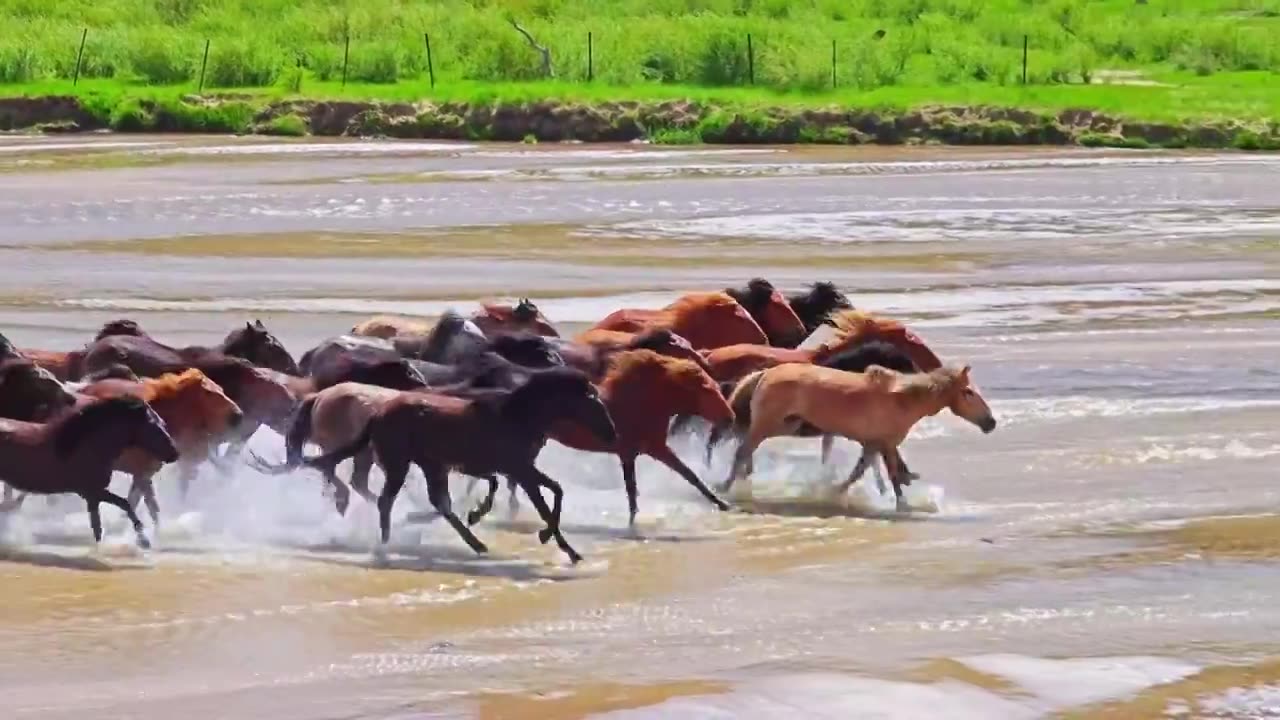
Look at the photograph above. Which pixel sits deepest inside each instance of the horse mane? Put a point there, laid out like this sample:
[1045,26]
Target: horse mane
[755,295]
[859,322]
[857,358]
[445,329]
[73,428]
[543,388]
[7,348]
[693,301]
[626,364]
[652,339]
[122,326]
[171,384]
[917,385]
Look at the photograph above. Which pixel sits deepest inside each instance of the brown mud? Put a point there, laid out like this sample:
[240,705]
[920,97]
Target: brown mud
[665,122]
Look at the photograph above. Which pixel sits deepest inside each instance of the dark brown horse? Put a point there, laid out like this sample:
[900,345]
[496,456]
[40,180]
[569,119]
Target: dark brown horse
[251,342]
[488,433]
[75,453]
[816,304]
[29,393]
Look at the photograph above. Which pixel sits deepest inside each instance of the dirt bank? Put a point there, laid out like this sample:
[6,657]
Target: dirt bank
[666,122]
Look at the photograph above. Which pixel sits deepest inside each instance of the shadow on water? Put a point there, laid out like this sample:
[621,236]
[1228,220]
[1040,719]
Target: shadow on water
[445,560]
[37,558]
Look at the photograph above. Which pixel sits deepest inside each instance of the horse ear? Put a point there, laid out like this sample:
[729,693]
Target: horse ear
[258,324]
[248,325]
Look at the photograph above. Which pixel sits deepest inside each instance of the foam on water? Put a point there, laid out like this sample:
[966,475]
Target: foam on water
[369,147]
[1043,686]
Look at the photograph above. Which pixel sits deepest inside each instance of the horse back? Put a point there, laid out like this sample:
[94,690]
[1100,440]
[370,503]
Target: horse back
[62,365]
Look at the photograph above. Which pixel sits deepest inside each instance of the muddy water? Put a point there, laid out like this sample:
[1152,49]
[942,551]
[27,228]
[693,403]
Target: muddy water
[1110,551]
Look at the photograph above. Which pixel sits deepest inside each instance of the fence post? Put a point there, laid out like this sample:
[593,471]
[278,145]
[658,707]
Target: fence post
[204,63]
[751,61]
[1024,59]
[591,65]
[346,56]
[80,56]
[297,82]
[431,70]
[833,64]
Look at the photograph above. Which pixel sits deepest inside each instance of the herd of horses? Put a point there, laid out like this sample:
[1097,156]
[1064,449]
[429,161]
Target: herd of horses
[478,395]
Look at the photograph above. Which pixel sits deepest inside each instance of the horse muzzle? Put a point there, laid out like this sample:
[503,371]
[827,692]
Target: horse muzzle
[987,424]
[235,419]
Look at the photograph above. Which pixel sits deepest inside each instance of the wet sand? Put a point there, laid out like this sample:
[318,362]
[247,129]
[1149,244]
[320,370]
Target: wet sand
[1110,551]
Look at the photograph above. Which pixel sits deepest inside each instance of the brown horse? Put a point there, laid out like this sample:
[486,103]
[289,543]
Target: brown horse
[594,359]
[876,408]
[772,311]
[643,391]
[489,433]
[196,412]
[706,319]
[75,453]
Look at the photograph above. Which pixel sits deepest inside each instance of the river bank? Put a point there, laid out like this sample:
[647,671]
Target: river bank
[660,121]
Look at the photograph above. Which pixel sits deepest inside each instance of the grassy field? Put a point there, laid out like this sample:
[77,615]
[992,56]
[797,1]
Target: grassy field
[1159,60]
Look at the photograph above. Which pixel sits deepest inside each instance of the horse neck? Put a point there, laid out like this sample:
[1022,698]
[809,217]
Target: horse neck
[102,445]
[923,402]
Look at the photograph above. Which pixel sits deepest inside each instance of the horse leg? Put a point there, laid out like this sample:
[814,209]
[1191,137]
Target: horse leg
[629,480]
[743,459]
[143,489]
[714,437]
[395,472]
[864,461]
[531,480]
[111,498]
[893,464]
[361,464]
[438,492]
[513,499]
[667,457]
[11,501]
[95,517]
[486,505]
[827,442]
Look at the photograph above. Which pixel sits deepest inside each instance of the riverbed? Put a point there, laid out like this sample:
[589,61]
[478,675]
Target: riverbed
[1111,550]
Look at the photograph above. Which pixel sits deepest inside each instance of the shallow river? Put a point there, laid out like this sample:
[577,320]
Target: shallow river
[1112,550]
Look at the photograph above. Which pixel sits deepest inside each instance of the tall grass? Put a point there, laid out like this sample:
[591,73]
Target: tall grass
[688,42]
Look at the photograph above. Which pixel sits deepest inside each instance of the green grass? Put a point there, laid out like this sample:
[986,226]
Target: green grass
[926,43]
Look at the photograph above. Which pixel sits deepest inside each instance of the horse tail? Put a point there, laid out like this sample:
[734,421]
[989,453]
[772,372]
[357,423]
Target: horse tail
[299,431]
[740,398]
[329,461]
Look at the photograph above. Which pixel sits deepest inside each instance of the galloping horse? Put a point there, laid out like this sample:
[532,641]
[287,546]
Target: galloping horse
[450,339]
[706,319]
[771,310]
[815,305]
[876,408]
[197,414]
[252,342]
[490,433]
[75,453]
[29,393]
[643,391]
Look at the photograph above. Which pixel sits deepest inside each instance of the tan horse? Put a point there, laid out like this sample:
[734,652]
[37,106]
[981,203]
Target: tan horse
[490,318]
[876,408]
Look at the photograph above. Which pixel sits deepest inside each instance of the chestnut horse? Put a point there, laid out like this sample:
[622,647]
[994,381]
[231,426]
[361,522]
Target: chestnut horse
[197,414]
[643,391]
[771,311]
[706,319]
[75,453]
[816,305]
[65,366]
[524,316]
[490,433]
[876,408]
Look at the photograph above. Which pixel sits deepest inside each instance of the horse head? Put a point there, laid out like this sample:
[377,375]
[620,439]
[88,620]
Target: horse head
[527,349]
[666,342]
[563,394]
[120,326]
[198,396]
[30,392]
[965,401]
[255,343]
[141,426]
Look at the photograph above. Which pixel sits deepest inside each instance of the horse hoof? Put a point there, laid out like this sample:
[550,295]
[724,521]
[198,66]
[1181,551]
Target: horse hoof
[903,505]
[723,506]
[481,549]
[143,542]
[545,535]
[574,558]
[473,517]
